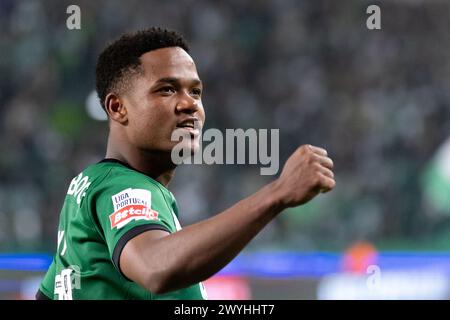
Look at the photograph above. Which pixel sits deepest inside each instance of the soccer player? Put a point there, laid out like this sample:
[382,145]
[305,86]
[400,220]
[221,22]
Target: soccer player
[119,235]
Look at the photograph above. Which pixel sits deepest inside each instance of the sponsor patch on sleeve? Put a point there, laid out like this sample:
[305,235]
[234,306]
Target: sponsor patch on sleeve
[131,204]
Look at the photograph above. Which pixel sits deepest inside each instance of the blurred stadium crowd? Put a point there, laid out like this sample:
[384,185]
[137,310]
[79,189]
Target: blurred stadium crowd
[379,101]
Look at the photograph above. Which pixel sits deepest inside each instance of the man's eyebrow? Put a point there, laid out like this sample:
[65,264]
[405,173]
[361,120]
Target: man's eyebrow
[176,81]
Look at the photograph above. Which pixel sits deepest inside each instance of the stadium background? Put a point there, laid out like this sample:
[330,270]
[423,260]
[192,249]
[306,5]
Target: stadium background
[378,100]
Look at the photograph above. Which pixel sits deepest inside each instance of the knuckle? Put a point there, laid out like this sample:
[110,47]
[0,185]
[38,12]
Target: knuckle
[304,148]
[330,173]
[331,162]
[331,183]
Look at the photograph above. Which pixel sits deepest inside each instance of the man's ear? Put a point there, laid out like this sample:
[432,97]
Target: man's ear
[115,108]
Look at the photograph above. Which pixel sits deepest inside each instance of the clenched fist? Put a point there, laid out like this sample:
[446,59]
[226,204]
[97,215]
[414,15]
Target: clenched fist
[306,173]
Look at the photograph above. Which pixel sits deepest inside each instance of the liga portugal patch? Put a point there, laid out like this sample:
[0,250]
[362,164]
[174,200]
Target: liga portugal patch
[131,204]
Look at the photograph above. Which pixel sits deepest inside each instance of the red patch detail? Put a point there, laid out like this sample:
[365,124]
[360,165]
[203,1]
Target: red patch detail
[132,212]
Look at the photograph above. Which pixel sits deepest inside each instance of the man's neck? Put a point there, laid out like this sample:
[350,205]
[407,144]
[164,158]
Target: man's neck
[157,165]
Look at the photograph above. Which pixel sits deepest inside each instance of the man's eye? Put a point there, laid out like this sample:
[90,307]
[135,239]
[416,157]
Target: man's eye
[167,90]
[197,92]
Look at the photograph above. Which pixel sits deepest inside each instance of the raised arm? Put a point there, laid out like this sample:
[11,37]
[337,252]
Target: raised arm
[162,262]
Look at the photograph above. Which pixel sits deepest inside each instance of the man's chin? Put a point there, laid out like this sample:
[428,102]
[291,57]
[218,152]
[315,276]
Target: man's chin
[191,150]
[184,150]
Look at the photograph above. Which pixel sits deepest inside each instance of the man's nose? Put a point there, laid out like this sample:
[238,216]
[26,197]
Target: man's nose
[187,104]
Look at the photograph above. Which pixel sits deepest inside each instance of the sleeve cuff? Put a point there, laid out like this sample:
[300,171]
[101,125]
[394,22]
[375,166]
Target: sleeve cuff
[41,296]
[130,234]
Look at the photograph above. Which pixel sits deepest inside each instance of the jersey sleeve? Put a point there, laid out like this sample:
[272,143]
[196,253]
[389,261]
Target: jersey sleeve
[48,283]
[127,208]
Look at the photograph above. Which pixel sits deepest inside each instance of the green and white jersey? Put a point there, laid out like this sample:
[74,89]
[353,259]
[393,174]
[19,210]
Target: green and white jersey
[106,205]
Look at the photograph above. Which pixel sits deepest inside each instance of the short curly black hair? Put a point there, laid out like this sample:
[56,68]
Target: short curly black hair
[120,59]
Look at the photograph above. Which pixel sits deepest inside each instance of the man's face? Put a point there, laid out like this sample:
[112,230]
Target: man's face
[167,97]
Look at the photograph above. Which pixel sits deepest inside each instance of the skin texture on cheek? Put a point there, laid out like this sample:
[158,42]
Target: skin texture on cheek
[149,127]
[151,121]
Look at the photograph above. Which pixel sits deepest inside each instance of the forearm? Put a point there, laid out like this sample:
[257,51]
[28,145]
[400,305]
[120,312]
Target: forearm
[202,249]
[161,262]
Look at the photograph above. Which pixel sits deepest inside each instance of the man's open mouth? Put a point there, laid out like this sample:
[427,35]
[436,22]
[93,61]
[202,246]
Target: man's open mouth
[192,125]
[186,124]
